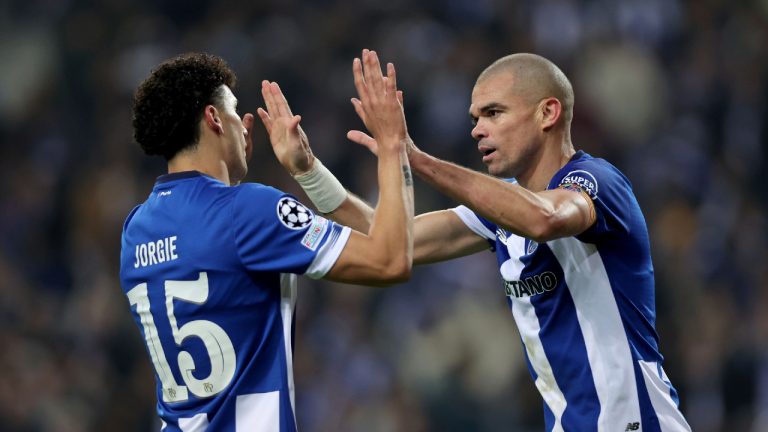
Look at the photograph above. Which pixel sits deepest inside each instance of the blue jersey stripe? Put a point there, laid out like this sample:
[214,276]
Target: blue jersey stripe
[650,421]
[564,343]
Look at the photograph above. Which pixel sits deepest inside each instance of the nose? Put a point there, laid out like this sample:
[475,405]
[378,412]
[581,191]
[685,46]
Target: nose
[479,132]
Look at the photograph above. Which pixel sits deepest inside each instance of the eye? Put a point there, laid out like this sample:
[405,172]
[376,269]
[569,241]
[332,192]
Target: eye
[473,120]
[492,113]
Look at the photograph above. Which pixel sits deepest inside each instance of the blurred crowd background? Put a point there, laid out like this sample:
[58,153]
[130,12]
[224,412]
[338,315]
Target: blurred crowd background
[675,93]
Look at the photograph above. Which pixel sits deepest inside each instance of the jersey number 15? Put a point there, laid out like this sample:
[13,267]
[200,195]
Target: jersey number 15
[218,344]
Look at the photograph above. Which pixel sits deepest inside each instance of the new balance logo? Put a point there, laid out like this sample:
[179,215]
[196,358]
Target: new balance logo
[632,427]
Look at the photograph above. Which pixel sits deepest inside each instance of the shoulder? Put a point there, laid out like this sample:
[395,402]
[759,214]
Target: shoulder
[590,175]
[251,193]
[254,200]
[130,217]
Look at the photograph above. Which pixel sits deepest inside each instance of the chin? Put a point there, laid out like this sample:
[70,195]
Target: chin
[494,171]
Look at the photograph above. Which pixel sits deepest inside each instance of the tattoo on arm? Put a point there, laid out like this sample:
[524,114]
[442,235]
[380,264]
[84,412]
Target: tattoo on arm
[407,175]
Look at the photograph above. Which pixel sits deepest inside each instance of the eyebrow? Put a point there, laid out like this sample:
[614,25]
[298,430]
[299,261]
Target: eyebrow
[485,108]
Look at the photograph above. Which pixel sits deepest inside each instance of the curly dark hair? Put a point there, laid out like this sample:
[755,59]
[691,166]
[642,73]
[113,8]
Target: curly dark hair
[168,105]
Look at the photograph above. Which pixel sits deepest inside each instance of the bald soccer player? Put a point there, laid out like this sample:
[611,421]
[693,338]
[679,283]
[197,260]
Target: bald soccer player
[571,242]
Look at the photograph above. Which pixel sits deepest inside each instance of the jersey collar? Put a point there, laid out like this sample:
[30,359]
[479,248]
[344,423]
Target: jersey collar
[165,178]
[578,155]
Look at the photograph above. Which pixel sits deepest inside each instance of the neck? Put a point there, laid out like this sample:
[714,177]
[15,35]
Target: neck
[200,159]
[554,156]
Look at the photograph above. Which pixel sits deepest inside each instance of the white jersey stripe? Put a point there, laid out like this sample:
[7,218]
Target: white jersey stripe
[528,326]
[198,423]
[473,223]
[670,417]
[258,412]
[329,252]
[288,293]
[603,330]
[524,312]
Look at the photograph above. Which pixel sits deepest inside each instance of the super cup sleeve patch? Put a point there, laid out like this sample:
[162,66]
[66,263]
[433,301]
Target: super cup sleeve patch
[580,181]
[293,214]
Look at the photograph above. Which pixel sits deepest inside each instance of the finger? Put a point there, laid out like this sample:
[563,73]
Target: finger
[375,70]
[391,80]
[363,139]
[400,97]
[265,119]
[358,108]
[357,73]
[373,76]
[269,100]
[282,102]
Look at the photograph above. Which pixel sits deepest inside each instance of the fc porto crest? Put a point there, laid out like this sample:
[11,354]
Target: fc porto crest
[532,246]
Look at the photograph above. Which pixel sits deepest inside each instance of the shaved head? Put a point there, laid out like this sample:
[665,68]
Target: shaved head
[534,78]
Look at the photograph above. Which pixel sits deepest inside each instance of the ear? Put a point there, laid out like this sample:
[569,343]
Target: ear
[550,111]
[212,119]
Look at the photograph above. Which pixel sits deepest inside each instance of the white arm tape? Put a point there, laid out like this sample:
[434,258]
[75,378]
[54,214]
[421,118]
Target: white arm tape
[322,187]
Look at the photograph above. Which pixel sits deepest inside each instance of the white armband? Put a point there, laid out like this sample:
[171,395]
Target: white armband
[322,187]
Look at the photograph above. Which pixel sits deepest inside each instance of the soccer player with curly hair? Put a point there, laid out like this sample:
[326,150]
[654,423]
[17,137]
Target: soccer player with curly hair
[209,264]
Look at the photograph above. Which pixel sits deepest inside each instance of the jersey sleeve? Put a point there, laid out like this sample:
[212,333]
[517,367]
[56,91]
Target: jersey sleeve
[478,224]
[610,192]
[275,232]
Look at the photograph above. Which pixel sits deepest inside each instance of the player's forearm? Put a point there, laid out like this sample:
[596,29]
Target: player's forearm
[508,205]
[354,213]
[392,229]
[332,200]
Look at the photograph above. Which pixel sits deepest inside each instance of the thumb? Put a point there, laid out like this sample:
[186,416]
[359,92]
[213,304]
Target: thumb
[363,139]
[248,121]
[294,123]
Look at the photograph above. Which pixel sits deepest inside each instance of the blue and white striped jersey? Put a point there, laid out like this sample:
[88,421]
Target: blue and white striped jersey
[210,273]
[585,309]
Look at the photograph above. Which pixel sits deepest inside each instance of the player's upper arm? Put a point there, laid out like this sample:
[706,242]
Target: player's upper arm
[359,263]
[568,212]
[438,236]
[442,235]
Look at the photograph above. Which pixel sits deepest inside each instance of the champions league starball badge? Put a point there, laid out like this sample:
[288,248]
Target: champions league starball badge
[293,214]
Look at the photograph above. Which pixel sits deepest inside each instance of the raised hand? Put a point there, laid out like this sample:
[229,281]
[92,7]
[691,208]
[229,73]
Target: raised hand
[378,106]
[363,138]
[289,142]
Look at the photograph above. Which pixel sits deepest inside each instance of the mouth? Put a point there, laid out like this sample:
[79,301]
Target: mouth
[487,152]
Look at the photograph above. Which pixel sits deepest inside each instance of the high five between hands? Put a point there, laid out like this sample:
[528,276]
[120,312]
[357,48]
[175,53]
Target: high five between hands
[379,105]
